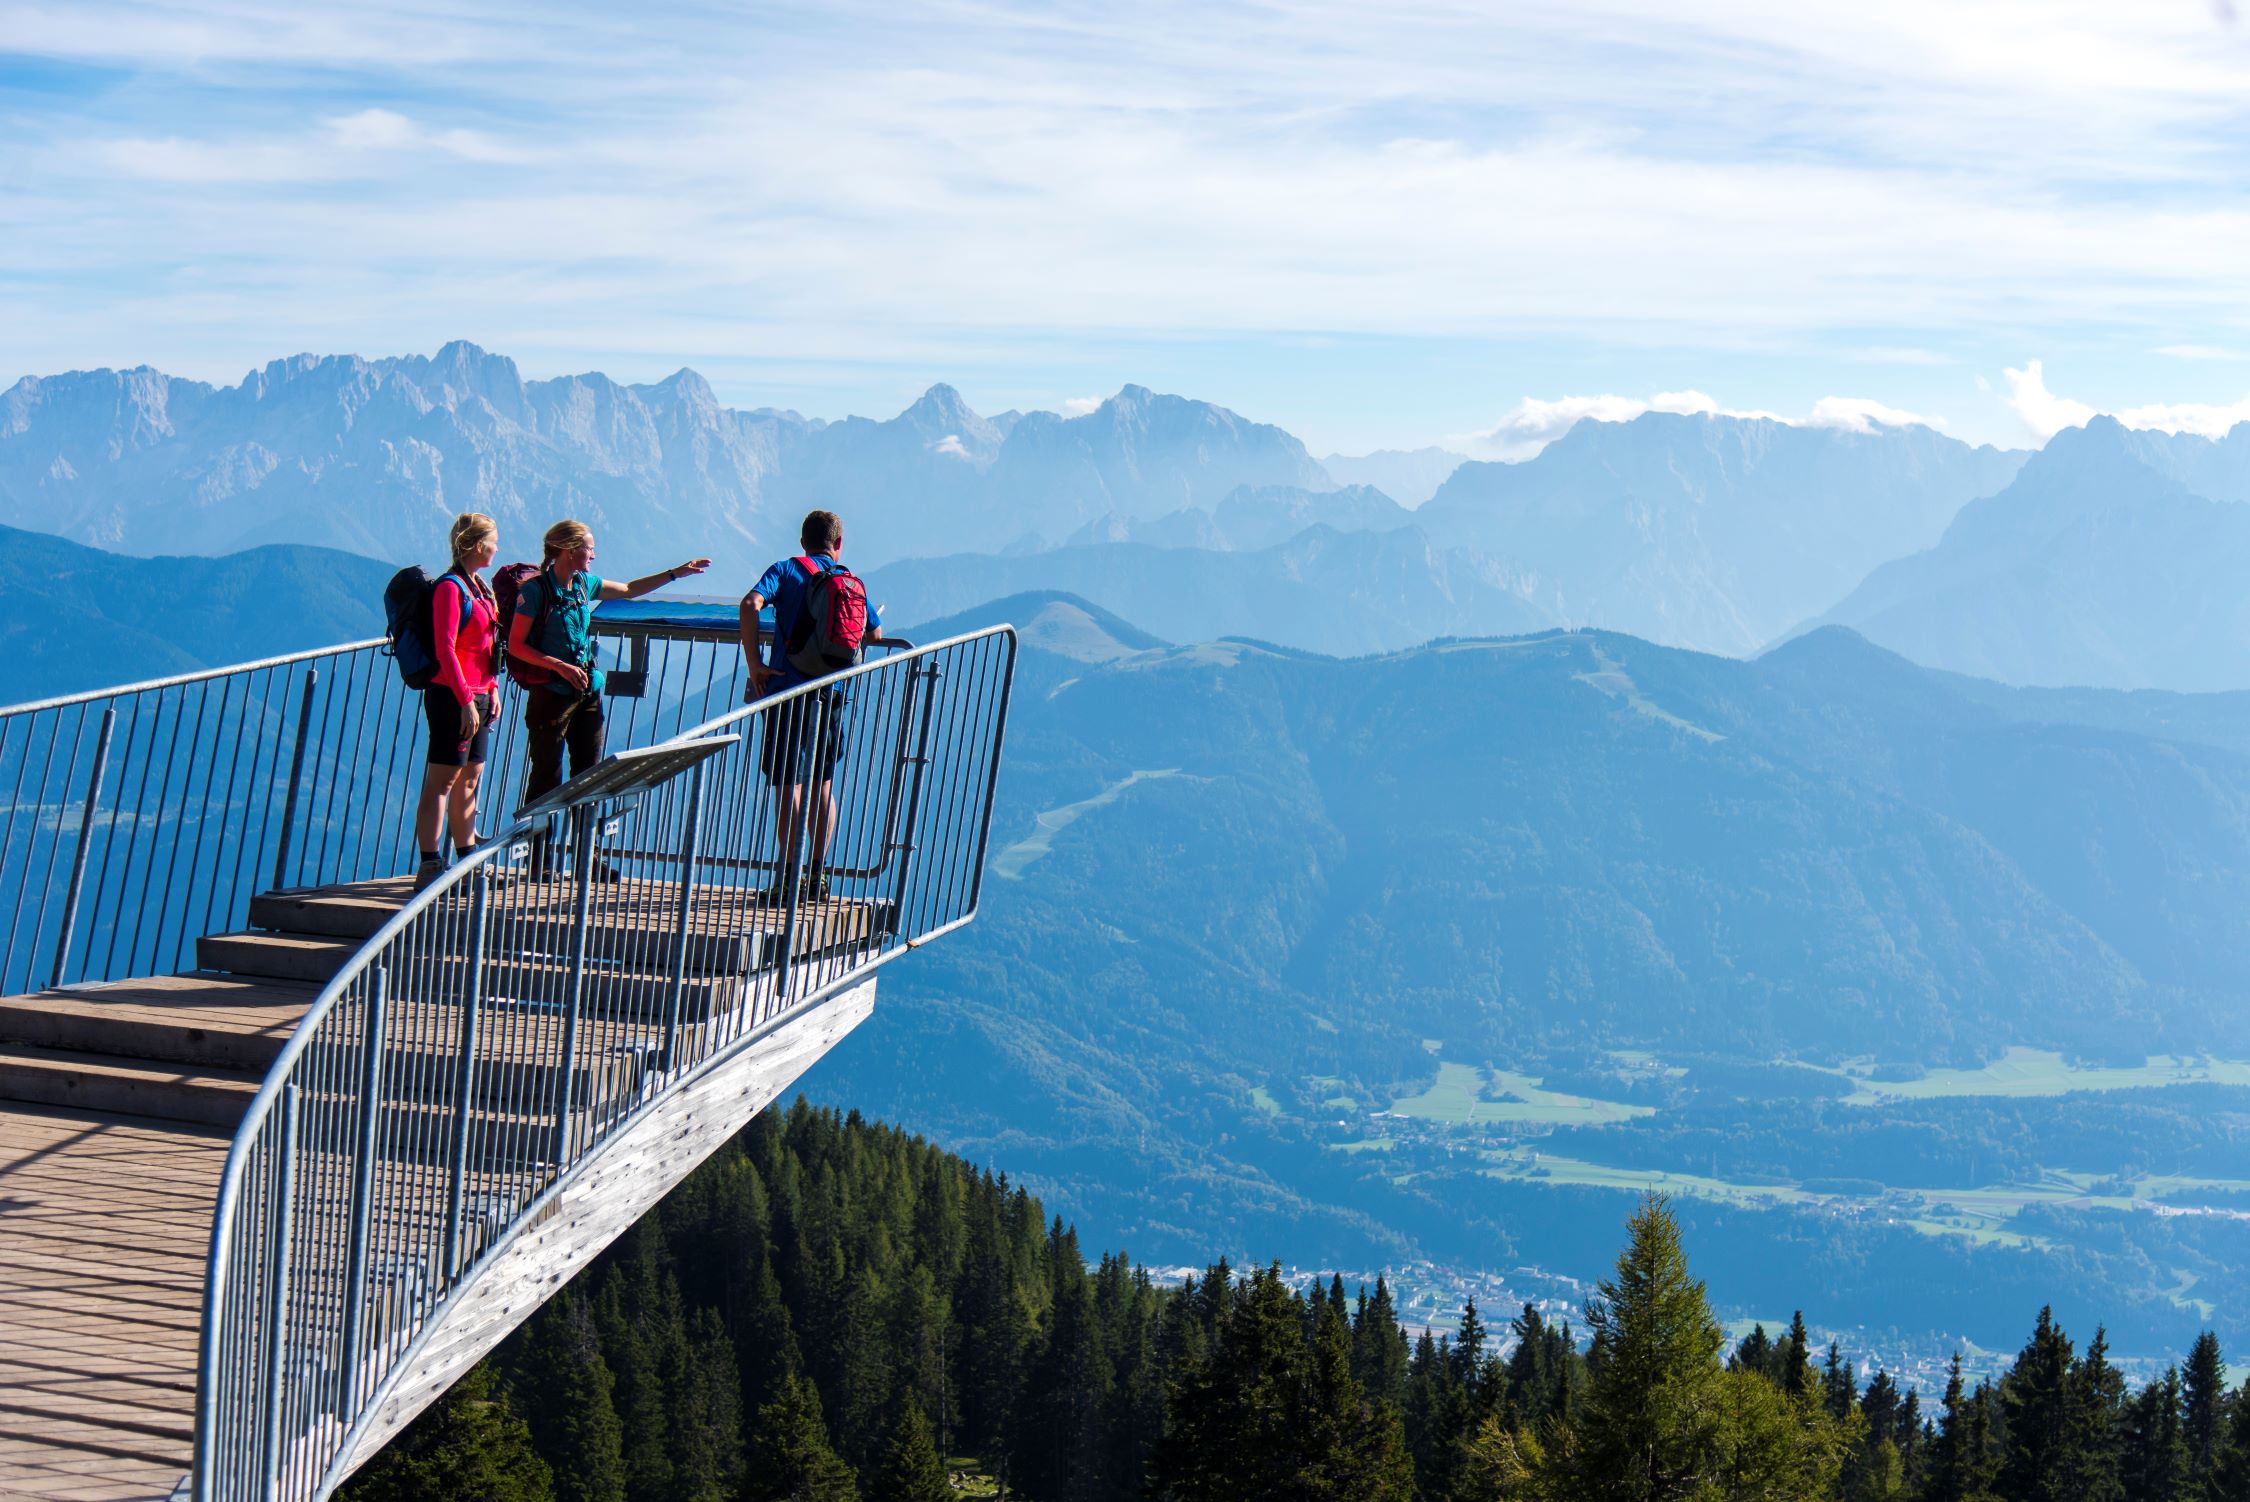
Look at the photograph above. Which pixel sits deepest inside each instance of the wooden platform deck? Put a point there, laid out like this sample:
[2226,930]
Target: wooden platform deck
[118,1104]
[104,1226]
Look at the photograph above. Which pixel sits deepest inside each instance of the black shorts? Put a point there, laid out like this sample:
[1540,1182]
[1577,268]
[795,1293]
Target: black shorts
[442,713]
[803,739]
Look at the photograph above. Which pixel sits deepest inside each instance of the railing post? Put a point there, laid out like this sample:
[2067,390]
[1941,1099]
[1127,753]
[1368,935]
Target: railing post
[689,833]
[363,1182]
[78,860]
[464,1074]
[277,1288]
[583,858]
[921,760]
[992,778]
[296,779]
[793,869]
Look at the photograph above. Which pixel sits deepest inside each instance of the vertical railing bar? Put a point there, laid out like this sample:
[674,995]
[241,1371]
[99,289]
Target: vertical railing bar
[109,846]
[39,891]
[354,1292]
[464,1072]
[246,839]
[78,858]
[583,844]
[187,787]
[203,814]
[296,781]
[279,1235]
[233,883]
[144,825]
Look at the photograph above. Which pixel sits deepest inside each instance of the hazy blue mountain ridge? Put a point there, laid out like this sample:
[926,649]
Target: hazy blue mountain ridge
[1716,533]
[1409,476]
[74,618]
[1323,590]
[2098,565]
[1250,518]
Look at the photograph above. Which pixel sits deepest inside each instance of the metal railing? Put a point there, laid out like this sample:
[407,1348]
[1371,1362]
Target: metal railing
[143,817]
[661,914]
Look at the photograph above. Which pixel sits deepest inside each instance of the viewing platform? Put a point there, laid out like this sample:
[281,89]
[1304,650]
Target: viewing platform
[284,1148]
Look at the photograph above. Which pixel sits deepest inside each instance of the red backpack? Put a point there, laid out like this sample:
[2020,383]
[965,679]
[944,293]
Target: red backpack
[831,622]
[507,588]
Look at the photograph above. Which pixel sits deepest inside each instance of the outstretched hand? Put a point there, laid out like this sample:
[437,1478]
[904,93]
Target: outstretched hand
[691,568]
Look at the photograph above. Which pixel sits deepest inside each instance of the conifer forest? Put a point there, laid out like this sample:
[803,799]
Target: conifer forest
[832,1310]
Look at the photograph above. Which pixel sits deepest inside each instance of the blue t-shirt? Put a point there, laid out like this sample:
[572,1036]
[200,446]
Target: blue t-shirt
[783,586]
[568,632]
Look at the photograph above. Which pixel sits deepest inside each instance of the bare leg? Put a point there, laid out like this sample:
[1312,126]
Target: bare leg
[788,799]
[429,812]
[824,824]
[462,806]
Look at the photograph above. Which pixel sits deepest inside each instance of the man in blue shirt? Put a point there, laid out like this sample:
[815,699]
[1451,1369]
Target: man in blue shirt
[802,739]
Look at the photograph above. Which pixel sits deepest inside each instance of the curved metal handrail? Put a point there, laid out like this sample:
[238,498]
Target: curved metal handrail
[483,1045]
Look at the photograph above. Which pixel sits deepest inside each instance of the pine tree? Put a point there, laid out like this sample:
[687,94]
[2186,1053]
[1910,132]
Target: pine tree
[706,1414]
[2202,1419]
[790,1459]
[1355,1451]
[1796,1357]
[1964,1462]
[2035,1404]
[1652,1420]
[1229,1432]
[912,1471]
[1839,1386]
[2092,1459]
[565,1388]
[1379,1351]
[2156,1454]
[470,1444]
[2230,1480]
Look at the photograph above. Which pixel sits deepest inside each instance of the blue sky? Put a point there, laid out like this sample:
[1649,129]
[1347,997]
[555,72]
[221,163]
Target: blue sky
[1378,226]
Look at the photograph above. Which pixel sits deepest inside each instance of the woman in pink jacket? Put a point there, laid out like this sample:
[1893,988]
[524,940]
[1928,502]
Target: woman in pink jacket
[461,705]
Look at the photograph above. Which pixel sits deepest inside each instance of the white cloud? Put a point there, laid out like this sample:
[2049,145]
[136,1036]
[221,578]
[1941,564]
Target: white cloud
[1533,423]
[2047,414]
[1859,414]
[2210,419]
[2043,412]
[951,446]
[1079,406]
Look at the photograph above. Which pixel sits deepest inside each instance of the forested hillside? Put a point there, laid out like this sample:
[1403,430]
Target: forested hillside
[1455,949]
[828,1309]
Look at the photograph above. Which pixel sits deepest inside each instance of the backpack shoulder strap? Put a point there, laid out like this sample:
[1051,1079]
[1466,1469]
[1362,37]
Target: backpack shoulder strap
[810,565]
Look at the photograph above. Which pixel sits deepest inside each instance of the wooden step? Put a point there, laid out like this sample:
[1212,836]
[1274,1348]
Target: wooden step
[289,957]
[125,1087]
[353,912]
[223,1021]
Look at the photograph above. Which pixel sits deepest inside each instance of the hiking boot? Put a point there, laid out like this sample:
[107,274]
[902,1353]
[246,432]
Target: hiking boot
[816,887]
[426,873]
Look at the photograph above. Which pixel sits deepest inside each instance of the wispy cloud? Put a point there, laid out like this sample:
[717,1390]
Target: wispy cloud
[2202,352]
[867,183]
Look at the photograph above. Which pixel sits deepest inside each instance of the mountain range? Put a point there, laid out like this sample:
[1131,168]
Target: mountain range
[2117,558]
[2109,560]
